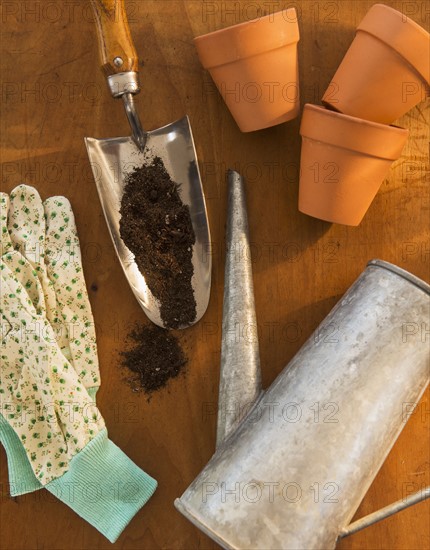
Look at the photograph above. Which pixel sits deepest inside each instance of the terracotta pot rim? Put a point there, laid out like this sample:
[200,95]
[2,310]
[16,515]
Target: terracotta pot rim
[238,26]
[248,39]
[330,112]
[345,148]
[408,21]
[245,58]
[405,46]
[352,133]
[326,217]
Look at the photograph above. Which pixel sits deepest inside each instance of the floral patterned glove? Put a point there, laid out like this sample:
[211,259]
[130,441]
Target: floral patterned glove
[50,410]
[45,234]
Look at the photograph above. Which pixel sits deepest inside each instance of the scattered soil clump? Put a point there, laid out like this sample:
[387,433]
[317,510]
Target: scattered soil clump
[154,357]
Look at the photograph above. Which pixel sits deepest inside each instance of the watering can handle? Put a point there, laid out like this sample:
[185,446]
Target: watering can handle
[119,59]
[386,512]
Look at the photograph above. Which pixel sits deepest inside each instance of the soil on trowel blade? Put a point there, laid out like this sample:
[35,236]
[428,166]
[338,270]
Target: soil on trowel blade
[156,227]
[154,357]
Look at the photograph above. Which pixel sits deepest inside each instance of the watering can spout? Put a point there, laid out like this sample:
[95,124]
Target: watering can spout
[240,378]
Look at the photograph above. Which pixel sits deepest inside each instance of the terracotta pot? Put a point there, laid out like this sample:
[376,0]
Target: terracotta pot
[343,163]
[386,71]
[254,66]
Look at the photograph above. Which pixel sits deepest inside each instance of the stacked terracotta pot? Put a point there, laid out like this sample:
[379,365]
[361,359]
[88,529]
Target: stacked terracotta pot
[349,144]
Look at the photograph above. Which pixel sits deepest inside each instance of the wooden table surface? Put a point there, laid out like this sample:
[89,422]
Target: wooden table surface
[53,95]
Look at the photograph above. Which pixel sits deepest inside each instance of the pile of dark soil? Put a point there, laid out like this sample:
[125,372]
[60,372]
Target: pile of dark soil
[156,227]
[154,358]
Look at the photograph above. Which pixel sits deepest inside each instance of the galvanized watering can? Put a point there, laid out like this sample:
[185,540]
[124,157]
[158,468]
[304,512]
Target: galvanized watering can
[293,471]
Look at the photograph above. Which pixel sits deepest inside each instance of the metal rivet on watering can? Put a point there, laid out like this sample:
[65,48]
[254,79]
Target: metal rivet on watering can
[294,481]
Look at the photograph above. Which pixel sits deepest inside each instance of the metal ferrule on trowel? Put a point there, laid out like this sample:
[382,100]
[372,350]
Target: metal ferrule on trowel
[126,86]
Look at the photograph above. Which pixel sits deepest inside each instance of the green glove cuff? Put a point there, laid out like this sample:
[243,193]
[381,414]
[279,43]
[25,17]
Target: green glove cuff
[21,476]
[104,486]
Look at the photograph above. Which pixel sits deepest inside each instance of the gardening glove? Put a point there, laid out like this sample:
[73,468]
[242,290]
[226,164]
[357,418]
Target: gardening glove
[46,236]
[50,410]
[21,476]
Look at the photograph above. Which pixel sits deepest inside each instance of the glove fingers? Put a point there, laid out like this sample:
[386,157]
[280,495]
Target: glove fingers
[26,223]
[6,243]
[15,303]
[26,276]
[64,268]
[17,313]
[61,235]
[27,231]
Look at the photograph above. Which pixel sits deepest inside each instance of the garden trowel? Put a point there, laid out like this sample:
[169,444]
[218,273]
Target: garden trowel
[113,159]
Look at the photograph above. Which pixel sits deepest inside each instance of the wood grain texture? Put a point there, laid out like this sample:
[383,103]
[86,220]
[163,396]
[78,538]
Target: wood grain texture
[53,95]
[115,40]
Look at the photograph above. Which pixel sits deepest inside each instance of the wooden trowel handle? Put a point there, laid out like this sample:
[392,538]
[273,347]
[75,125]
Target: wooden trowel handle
[117,51]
